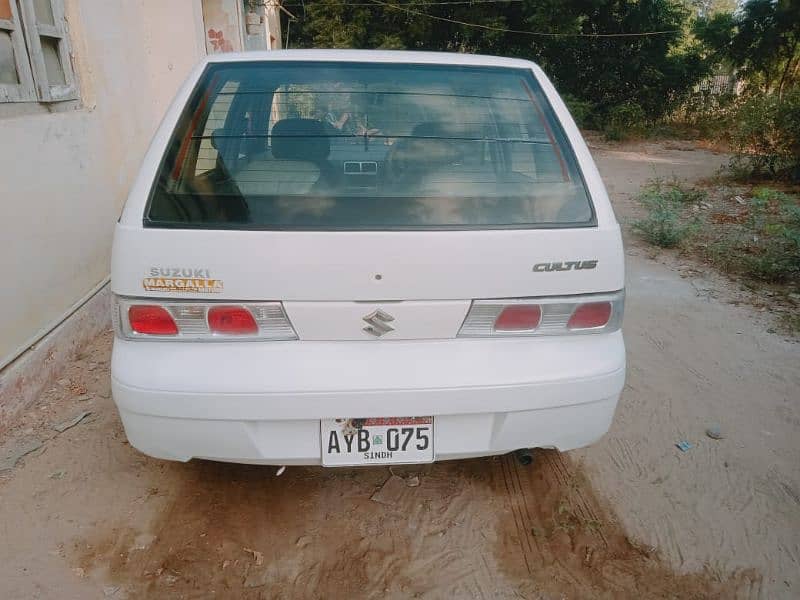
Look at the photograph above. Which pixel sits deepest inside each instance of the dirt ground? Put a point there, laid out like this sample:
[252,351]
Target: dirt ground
[86,516]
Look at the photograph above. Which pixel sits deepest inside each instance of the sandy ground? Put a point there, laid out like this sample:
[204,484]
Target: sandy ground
[697,359]
[86,516]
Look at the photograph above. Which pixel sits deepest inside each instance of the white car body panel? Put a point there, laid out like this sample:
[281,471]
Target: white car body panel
[261,402]
[344,321]
[432,265]
[504,393]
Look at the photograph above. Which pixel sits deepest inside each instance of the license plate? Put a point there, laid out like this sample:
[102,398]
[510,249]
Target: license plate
[376,441]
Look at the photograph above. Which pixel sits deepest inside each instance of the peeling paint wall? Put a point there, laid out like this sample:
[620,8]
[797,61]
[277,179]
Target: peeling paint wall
[273,22]
[224,28]
[64,175]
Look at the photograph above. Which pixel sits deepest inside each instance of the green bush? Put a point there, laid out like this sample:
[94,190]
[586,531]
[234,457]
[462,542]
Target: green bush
[703,114]
[765,136]
[766,246]
[676,192]
[664,224]
[624,121]
[791,323]
[581,110]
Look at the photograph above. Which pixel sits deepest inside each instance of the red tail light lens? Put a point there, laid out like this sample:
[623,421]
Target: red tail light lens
[152,320]
[545,315]
[192,320]
[590,315]
[231,320]
[518,317]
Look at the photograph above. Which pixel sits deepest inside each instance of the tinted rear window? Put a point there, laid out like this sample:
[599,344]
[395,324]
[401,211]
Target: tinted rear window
[301,145]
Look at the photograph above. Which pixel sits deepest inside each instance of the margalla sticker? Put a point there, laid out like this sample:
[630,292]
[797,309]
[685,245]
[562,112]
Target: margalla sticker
[178,279]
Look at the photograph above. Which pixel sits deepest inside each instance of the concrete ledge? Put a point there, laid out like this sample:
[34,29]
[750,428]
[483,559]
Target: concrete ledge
[24,379]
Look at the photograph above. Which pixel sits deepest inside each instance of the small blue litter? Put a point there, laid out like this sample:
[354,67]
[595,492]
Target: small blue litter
[684,446]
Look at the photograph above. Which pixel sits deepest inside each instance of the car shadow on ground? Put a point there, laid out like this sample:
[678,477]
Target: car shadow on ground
[469,529]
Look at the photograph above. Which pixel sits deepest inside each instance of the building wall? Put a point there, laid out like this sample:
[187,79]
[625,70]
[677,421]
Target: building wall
[224,27]
[64,175]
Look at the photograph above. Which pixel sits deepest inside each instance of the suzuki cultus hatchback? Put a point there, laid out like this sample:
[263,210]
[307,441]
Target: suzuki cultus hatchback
[352,258]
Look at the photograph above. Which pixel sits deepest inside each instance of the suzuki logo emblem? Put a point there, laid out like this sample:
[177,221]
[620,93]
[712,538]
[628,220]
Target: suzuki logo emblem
[378,323]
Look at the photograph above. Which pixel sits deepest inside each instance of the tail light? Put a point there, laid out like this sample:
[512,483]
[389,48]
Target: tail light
[150,319]
[210,321]
[233,320]
[548,315]
[590,316]
[519,317]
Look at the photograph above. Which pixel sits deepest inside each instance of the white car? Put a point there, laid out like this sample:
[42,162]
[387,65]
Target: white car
[363,257]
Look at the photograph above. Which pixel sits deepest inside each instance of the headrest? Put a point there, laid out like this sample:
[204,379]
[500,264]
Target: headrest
[300,139]
[425,147]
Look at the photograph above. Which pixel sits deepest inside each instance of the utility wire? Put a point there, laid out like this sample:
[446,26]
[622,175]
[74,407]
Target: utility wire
[519,31]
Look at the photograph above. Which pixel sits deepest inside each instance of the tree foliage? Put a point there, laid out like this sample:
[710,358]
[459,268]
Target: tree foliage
[648,74]
[761,39]
[765,135]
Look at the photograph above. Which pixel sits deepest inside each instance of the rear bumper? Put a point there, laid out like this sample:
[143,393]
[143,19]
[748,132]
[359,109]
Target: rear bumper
[261,402]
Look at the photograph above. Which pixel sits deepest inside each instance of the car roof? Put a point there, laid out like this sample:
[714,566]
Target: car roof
[372,56]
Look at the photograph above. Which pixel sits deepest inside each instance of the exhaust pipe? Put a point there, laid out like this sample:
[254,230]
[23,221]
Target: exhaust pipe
[524,456]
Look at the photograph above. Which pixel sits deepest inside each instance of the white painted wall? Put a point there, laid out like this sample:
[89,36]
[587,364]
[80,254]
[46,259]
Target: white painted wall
[64,175]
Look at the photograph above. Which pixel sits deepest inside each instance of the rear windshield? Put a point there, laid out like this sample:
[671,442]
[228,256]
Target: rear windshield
[313,145]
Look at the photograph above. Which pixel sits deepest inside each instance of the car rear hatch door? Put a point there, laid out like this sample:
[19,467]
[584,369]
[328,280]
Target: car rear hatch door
[373,202]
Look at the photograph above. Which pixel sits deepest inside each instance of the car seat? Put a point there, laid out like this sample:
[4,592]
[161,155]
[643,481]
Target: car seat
[298,158]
